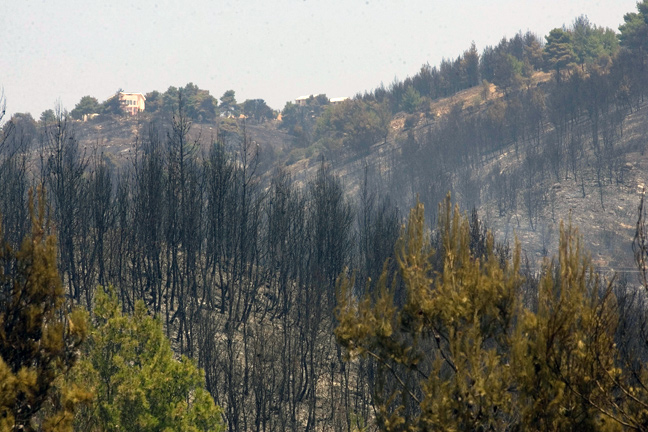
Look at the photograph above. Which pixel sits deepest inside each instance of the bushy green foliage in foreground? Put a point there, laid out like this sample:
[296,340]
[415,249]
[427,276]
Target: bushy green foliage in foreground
[39,335]
[137,383]
[127,378]
[464,352]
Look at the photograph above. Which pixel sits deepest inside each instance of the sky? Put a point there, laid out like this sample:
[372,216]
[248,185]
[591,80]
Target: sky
[56,51]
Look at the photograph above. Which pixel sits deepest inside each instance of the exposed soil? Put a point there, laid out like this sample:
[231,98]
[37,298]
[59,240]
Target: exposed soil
[607,229]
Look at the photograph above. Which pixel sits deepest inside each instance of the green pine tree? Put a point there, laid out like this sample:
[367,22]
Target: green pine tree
[559,51]
[137,382]
[463,353]
[445,349]
[564,355]
[39,334]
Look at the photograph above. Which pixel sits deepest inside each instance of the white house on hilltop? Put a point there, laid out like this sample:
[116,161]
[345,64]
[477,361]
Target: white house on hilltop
[132,102]
[337,100]
[301,100]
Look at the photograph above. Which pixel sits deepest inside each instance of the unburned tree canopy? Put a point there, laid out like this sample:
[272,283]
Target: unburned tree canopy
[87,105]
[257,109]
[47,117]
[590,42]
[113,105]
[558,50]
[463,352]
[355,123]
[228,103]
[411,100]
[137,382]
[39,334]
[22,127]
[634,30]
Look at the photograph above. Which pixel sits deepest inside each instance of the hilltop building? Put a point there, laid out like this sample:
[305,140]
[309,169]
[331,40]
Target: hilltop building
[301,100]
[132,102]
[338,100]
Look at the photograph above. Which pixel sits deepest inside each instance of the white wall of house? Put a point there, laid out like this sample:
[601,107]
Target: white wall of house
[132,102]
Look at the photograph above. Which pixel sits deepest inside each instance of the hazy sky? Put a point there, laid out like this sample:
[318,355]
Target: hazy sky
[271,49]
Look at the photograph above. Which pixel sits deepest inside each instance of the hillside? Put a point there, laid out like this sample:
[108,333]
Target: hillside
[451,251]
[607,228]
[605,214]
